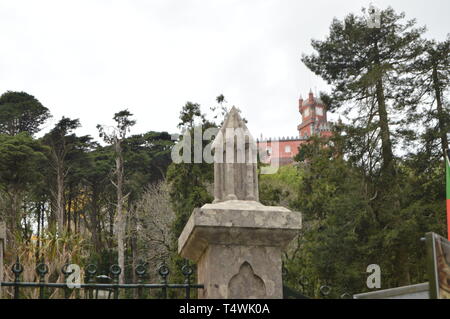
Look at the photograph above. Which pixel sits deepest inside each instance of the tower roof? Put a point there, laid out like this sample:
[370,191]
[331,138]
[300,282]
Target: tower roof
[312,100]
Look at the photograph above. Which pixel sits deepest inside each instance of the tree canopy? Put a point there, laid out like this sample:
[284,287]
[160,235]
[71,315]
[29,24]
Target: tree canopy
[21,112]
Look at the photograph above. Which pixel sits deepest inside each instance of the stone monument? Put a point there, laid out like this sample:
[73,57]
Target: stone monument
[235,175]
[236,241]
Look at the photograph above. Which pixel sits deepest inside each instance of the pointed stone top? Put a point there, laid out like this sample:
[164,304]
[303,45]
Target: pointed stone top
[233,120]
[235,159]
[233,125]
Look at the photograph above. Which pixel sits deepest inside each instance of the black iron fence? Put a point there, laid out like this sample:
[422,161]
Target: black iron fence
[101,286]
[303,288]
[97,285]
[305,292]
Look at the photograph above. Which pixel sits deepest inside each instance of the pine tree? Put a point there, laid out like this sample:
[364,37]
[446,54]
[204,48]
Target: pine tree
[369,71]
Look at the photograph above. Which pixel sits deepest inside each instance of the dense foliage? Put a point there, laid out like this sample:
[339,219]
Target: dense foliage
[367,194]
[372,191]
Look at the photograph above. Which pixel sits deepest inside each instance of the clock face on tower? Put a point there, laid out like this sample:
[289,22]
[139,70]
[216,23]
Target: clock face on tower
[306,112]
[319,111]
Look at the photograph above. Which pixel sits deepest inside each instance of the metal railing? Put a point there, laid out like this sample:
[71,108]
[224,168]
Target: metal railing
[304,289]
[108,286]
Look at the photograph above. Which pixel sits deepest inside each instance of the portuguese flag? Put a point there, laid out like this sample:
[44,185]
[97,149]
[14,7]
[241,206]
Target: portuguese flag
[447,186]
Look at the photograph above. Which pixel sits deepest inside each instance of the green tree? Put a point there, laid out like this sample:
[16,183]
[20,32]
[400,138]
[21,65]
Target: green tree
[21,112]
[364,63]
[100,211]
[19,158]
[280,189]
[432,74]
[189,114]
[369,70]
[189,181]
[335,244]
[147,157]
[115,138]
[60,145]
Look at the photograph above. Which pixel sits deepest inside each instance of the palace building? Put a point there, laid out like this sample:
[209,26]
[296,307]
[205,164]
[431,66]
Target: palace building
[314,122]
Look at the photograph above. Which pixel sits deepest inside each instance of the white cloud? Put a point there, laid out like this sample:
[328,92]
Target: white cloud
[89,59]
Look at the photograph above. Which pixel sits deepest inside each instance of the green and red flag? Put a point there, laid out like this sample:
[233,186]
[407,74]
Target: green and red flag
[447,185]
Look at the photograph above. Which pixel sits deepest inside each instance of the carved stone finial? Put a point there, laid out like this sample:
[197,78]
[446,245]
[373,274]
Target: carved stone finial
[235,175]
[237,242]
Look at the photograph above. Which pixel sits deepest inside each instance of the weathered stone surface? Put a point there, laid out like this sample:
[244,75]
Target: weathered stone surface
[247,280]
[237,246]
[237,223]
[236,241]
[238,271]
[235,164]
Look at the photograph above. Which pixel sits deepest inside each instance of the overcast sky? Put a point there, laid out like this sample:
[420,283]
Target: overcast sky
[88,59]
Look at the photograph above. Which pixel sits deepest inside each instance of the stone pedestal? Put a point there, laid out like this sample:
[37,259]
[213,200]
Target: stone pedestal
[237,246]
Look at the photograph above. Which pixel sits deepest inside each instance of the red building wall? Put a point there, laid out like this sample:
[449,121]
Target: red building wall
[283,150]
[314,122]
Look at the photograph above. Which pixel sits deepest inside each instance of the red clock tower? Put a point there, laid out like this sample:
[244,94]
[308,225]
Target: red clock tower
[314,117]
[314,122]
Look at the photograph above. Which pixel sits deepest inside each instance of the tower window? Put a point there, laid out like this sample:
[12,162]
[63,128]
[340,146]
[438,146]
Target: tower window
[287,149]
[306,113]
[319,111]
